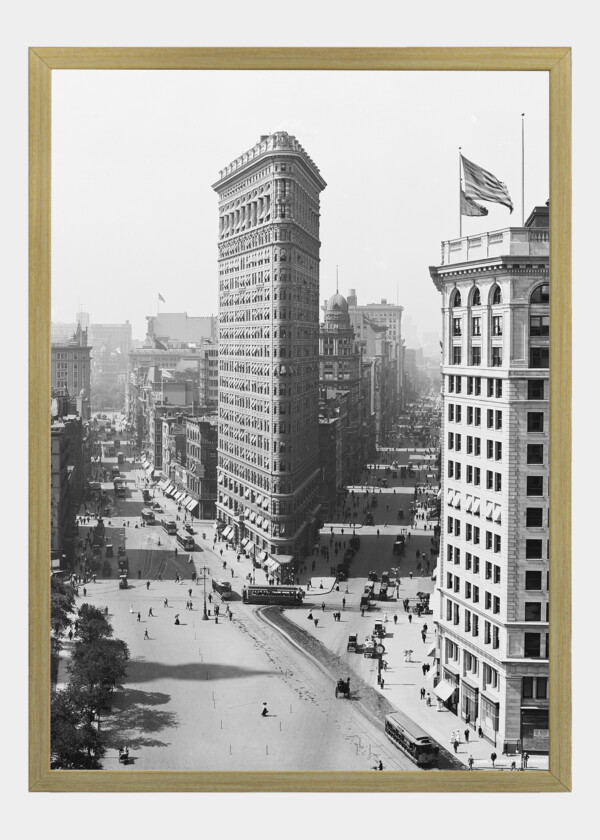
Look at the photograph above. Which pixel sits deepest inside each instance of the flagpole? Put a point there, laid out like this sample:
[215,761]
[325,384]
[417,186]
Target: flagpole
[523,170]
[459,201]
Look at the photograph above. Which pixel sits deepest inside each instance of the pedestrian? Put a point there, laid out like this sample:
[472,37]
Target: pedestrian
[471,761]
[395,618]
[316,622]
[467,733]
[323,606]
[139,574]
[70,635]
[493,758]
[424,669]
[422,694]
[410,574]
[343,603]
[150,613]
[513,765]
[479,732]
[455,745]
[190,592]
[382,682]
[210,599]
[139,616]
[525,759]
[147,584]
[146,636]
[166,602]
[232,573]
[265,711]
[425,631]
[410,618]
[423,635]
[84,592]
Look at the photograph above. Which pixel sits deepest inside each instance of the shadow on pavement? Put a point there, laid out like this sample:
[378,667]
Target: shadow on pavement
[147,671]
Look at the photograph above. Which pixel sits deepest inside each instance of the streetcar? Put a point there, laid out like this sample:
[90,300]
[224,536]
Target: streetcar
[256,594]
[185,541]
[148,516]
[223,587]
[410,739]
[120,488]
[169,525]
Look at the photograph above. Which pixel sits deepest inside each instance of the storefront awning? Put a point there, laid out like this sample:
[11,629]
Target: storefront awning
[262,556]
[245,542]
[431,674]
[271,564]
[149,469]
[164,483]
[193,503]
[431,650]
[444,690]
[226,532]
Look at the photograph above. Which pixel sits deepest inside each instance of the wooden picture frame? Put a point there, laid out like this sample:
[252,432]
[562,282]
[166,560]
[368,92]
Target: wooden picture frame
[557,63]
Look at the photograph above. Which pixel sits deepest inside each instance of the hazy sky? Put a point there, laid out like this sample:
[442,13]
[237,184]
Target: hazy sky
[135,153]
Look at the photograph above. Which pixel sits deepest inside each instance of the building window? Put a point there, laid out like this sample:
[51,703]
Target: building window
[535,421]
[535,453]
[489,480]
[475,355]
[456,326]
[478,386]
[498,419]
[477,444]
[469,445]
[476,476]
[475,625]
[456,299]
[467,589]
[527,688]
[535,389]
[496,574]
[532,645]
[476,559]
[497,325]
[497,482]
[496,605]
[498,451]
[450,411]
[468,565]
[541,687]
[469,474]
[533,580]
[541,294]
[497,543]
[448,610]
[498,388]
[539,325]
[487,632]
[533,549]
[476,326]
[533,611]
[476,297]
[488,570]
[458,413]
[496,296]
[456,356]
[495,637]
[450,384]
[457,470]
[496,356]
[539,357]
[475,594]
[469,415]
[534,517]
[535,485]
[450,440]
[457,442]
[458,384]
[450,469]
[477,417]
[469,384]
[490,387]
[490,418]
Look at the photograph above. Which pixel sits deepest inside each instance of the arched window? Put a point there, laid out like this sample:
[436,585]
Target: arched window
[541,294]
[496,295]
[456,299]
[476,297]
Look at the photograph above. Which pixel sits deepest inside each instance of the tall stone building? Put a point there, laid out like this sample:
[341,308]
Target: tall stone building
[492,577]
[268,469]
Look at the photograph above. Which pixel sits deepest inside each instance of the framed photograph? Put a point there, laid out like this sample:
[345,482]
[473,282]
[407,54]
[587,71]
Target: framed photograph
[309,437]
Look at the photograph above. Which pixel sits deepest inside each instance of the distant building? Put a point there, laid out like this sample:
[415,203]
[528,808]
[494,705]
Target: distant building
[491,606]
[383,314]
[201,464]
[180,327]
[70,364]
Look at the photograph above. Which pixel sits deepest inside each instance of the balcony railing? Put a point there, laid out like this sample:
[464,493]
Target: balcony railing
[514,242]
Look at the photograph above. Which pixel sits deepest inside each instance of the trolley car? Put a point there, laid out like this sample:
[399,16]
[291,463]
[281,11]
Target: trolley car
[255,594]
[411,739]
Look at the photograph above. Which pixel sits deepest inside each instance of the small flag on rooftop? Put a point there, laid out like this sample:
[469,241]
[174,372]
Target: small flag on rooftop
[468,207]
[483,185]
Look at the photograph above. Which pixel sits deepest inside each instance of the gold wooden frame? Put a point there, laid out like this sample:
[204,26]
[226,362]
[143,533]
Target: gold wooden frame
[557,62]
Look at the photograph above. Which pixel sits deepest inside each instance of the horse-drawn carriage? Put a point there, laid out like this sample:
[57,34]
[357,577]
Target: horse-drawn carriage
[343,688]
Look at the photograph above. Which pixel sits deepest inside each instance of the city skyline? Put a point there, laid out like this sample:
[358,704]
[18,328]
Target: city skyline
[133,164]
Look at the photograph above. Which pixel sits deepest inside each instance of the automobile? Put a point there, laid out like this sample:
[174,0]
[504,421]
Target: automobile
[121,551]
[352,643]
[108,550]
[372,576]
[379,629]
[190,530]
[157,508]
[369,648]
[355,542]
[385,576]
[122,581]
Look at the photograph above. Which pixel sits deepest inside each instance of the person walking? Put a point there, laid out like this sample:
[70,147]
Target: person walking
[525,759]
[382,682]
[190,592]
[479,732]
[410,618]
[455,745]
[316,622]
[323,606]
[467,733]
[150,613]
[146,636]
[147,585]
[139,616]
[471,762]
[493,758]
[422,694]
[423,635]
[424,669]
[166,602]
[343,603]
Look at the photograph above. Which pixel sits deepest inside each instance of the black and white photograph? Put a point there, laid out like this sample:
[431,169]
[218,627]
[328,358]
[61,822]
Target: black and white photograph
[300,421]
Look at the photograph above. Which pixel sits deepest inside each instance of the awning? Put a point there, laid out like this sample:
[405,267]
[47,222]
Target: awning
[263,556]
[449,495]
[259,500]
[245,542]
[226,532]
[258,520]
[247,493]
[186,500]
[469,506]
[163,484]
[476,505]
[150,469]
[192,504]
[457,500]
[170,489]
[431,650]
[497,513]
[271,564]
[220,478]
[489,509]
[265,503]
[444,690]
[252,516]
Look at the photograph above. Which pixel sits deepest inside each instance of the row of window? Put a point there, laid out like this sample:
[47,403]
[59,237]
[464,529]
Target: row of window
[535,387]
[491,633]
[540,295]
[475,360]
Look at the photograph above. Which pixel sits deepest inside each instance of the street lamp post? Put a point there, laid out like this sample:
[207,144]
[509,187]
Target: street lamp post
[204,614]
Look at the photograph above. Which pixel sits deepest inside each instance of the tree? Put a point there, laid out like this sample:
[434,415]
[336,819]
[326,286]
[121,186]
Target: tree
[101,663]
[93,624]
[62,604]
[75,743]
